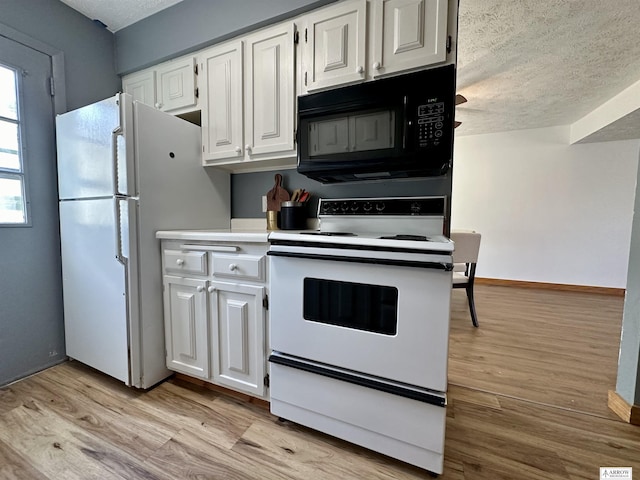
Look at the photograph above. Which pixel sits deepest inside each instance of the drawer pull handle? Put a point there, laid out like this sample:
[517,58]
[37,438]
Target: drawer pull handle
[200,288]
[211,289]
[233,267]
[180,262]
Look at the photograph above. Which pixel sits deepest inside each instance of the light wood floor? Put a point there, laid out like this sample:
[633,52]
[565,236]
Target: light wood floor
[509,416]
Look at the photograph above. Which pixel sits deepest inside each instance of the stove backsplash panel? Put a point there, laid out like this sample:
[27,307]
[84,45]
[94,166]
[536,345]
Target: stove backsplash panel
[247,190]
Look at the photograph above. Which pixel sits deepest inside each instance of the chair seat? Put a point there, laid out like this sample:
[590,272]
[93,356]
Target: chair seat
[460,278]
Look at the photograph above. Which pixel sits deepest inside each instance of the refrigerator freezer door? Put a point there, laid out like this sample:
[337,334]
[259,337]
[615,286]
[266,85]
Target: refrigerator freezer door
[92,150]
[95,285]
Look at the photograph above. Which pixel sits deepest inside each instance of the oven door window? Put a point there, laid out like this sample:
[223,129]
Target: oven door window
[358,132]
[373,308]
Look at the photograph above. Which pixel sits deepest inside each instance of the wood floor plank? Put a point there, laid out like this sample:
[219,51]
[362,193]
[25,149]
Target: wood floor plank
[14,466]
[558,348]
[189,456]
[527,400]
[60,450]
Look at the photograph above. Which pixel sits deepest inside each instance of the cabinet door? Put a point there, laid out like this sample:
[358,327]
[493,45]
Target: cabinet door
[222,115]
[270,91]
[186,327]
[336,38]
[176,84]
[141,86]
[237,337]
[408,34]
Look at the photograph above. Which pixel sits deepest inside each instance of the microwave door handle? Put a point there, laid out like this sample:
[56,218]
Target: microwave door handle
[405,122]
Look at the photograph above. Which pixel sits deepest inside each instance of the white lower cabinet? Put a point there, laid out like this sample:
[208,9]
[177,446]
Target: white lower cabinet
[186,325]
[215,313]
[237,336]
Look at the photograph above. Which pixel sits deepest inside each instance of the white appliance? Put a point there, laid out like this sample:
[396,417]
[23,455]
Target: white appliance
[126,170]
[360,325]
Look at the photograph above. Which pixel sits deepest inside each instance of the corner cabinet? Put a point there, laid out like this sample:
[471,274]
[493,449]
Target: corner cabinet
[248,100]
[215,312]
[170,86]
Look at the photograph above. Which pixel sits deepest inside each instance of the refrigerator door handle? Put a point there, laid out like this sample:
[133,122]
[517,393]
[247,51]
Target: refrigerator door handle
[118,224]
[114,154]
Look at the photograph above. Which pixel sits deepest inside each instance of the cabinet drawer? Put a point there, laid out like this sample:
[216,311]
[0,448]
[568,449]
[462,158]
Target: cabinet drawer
[177,261]
[249,267]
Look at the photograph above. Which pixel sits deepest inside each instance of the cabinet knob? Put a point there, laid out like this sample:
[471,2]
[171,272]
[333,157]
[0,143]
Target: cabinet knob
[238,149]
[377,66]
[360,69]
[233,267]
[158,105]
[211,289]
[200,288]
[180,262]
[247,147]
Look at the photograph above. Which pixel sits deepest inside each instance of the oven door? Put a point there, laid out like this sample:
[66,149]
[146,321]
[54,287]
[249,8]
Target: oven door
[387,317]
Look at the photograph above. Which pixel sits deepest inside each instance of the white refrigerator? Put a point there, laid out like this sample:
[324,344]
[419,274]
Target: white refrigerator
[126,170]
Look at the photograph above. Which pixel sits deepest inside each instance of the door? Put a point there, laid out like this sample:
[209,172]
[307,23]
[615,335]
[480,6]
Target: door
[237,336]
[85,158]
[222,109]
[31,319]
[270,91]
[408,34]
[141,86]
[176,84]
[95,285]
[336,45]
[390,321]
[186,326]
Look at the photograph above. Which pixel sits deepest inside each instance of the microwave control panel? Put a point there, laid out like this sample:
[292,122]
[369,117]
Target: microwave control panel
[430,124]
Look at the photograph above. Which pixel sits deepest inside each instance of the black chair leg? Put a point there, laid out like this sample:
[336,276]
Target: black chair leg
[472,305]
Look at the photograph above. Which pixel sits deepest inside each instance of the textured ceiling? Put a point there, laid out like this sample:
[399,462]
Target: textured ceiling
[521,63]
[117,14]
[537,63]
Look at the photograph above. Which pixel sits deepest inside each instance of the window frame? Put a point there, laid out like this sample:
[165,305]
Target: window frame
[22,153]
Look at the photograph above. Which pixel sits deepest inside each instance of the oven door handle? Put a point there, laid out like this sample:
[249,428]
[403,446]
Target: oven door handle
[362,381]
[445,266]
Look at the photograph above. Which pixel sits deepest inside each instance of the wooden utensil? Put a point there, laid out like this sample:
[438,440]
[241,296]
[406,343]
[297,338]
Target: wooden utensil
[276,195]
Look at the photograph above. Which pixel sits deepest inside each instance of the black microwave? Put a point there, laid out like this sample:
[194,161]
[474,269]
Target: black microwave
[398,127]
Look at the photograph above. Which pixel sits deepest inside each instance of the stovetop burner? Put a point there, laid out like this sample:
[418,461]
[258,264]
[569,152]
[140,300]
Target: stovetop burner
[417,238]
[331,234]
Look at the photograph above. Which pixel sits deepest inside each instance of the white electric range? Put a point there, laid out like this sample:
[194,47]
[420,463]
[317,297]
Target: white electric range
[359,324]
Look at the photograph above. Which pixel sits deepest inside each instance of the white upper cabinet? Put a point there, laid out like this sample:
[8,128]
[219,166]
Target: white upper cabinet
[407,34]
[335,43]
[170,86]
[245,128]
[270,91]
[222,112]
[176,84]
[141,86]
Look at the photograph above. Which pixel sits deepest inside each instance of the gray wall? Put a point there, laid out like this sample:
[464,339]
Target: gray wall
[88,49]
[248,188]
[34,314]
[194,24]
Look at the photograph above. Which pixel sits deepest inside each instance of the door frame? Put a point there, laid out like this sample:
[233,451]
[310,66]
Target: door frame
[57,63]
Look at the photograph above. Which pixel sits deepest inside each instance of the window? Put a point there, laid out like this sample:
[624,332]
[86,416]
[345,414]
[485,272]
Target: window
[13,203]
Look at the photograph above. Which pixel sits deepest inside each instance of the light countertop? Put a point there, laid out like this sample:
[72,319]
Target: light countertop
[252,230]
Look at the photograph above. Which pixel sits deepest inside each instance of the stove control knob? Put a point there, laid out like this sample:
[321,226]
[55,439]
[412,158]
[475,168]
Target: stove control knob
[367,206]
[380,206]
[344,207]
[354,206]
[416,208]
